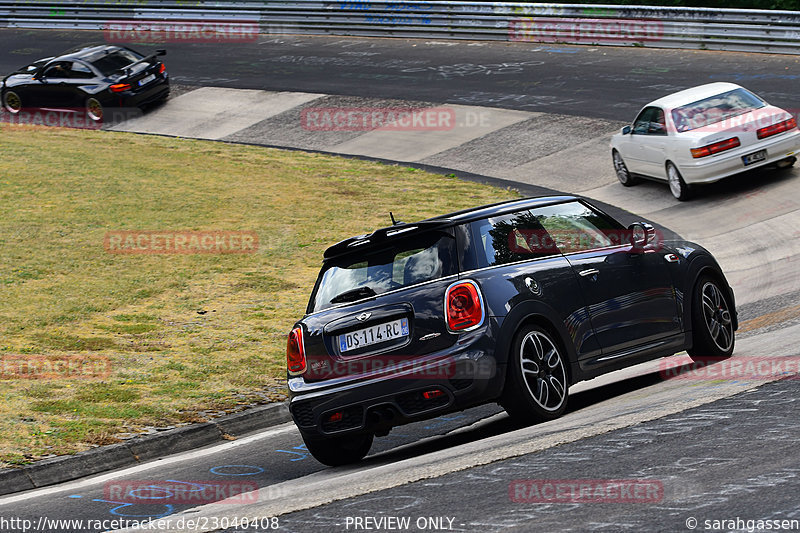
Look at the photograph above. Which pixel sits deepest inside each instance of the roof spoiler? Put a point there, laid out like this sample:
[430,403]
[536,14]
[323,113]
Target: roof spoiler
[127,69]
[381,235]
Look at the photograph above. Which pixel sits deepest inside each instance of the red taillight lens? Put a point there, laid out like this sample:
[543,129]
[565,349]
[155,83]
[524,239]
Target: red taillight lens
[162,68]
[715,148]
[775,129]
[463,306]
[295,353]
[119,87]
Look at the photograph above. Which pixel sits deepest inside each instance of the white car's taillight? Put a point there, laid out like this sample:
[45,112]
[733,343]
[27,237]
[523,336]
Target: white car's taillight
[775,129]
[715,148]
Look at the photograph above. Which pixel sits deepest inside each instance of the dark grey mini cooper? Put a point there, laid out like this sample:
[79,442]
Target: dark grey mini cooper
[509,303]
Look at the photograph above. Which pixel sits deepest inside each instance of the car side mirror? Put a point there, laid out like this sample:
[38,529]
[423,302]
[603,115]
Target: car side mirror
[642,234]
[161,52]
[626,130]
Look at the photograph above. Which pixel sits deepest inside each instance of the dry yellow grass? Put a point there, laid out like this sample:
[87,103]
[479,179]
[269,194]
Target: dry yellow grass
[187,336]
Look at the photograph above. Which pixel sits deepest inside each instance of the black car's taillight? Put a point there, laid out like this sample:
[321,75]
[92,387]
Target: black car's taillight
[715,148]
[120,87]
[295,353]
[162,68]
[463,306]
[775,129]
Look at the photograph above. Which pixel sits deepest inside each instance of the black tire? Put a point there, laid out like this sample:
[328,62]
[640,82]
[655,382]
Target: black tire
[94,109]
[537,384]
[12,102]
[712,324]
[337,451]
[677,186]
[623,175]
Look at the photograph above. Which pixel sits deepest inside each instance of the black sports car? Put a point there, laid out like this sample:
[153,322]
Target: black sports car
[509,303]
[92,77]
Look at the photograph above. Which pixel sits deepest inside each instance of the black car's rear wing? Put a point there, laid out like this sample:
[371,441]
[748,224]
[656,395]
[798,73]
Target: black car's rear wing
[127,69]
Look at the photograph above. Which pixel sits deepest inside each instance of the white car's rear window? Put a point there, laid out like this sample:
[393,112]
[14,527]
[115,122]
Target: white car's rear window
[715,109]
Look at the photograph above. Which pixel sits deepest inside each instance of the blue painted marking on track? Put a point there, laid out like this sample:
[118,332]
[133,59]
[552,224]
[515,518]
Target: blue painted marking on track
[75,496]
[216,469]
[169,509]
[303,453]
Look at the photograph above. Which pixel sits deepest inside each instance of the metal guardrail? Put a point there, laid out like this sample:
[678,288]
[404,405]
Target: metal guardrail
[660,27]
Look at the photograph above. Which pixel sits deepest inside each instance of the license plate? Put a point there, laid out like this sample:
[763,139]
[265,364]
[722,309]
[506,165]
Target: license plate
[373,335]
[147,79]
[755,157]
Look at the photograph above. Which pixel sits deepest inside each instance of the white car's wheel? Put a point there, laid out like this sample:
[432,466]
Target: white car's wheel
[677,186]
[623,175]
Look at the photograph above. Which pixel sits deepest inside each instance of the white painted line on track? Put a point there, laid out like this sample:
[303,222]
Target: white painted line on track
[150,465]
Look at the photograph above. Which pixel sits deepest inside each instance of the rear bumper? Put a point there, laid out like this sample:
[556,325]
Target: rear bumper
[157,91]
[464,377]
[714,168]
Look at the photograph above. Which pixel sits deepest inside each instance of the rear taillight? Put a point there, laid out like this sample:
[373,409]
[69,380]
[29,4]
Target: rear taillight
[463,306]
[120,87]
[775,129]
[295,353]
[162,68]
[715,148]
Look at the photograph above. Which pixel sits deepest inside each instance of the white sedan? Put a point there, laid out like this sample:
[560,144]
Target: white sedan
[702,135]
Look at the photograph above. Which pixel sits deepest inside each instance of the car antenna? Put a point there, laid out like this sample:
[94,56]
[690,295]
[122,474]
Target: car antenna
[394,222]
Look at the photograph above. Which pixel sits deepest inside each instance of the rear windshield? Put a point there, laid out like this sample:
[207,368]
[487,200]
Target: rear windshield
[715,109]
[114,61]
[402,262]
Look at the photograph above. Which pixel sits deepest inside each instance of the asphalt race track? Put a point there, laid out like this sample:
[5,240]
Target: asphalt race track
[718,448]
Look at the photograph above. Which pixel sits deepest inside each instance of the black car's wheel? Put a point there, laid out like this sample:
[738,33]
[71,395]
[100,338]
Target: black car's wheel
[94,109]
[677,186]
[537,385]
[712,324]
[12,102]
[337,451]
[623,175]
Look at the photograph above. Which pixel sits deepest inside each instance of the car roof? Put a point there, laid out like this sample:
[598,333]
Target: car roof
[379,235]
[89,52]
[694,94]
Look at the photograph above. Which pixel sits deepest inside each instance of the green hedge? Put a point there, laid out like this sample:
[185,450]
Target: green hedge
[791,5]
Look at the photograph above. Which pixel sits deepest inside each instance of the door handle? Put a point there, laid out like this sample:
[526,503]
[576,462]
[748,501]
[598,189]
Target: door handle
[589,272]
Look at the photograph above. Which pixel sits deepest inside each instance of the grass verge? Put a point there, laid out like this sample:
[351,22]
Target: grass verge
[183,337]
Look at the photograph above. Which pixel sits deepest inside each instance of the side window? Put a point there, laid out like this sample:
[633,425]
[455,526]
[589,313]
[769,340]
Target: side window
[574,227]
[59,69]
[651,121]
[506,239]
[79,70]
